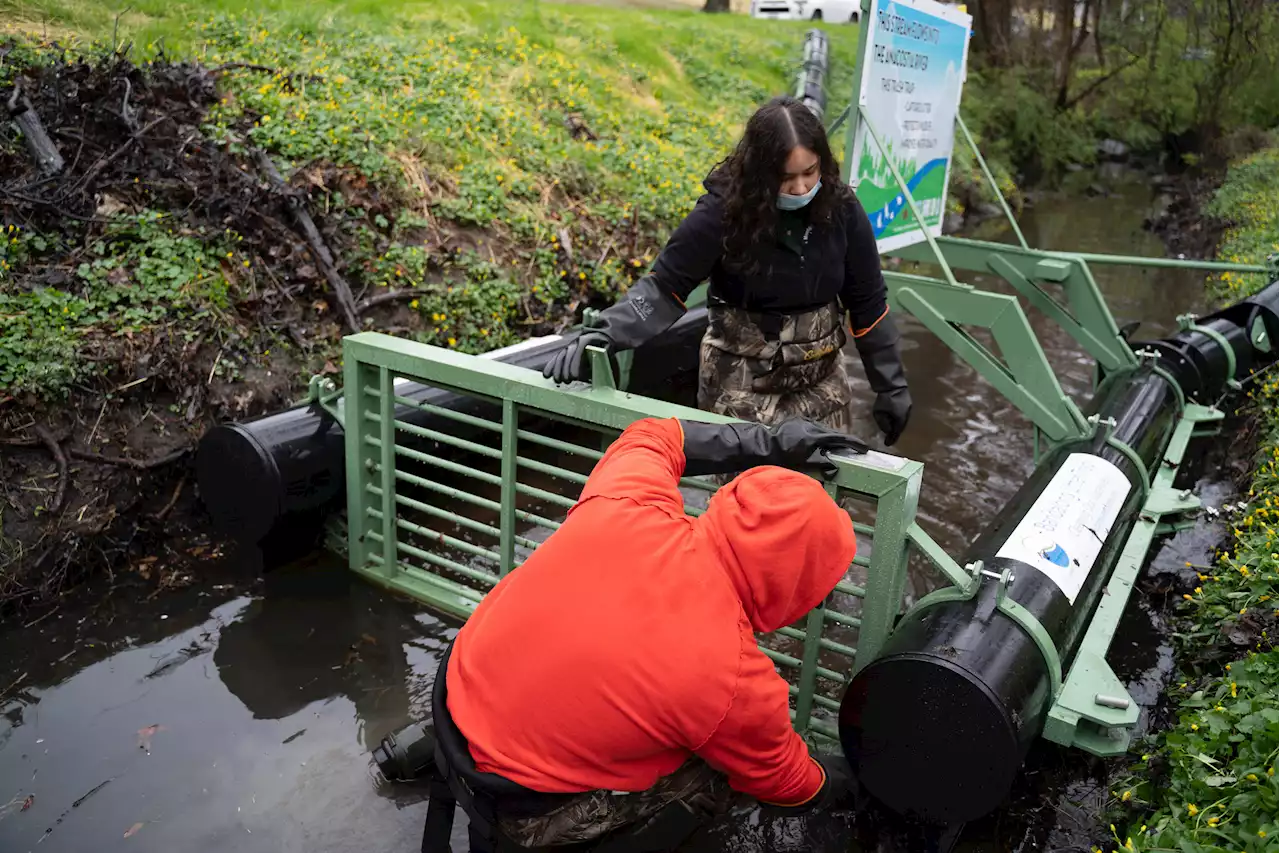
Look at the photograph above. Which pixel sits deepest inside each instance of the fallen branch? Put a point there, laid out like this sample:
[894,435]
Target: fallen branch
[13,684]
[60,496]
[135,464]
[160,516]
[391,296]
[42,148]
[106,161]
[324,260]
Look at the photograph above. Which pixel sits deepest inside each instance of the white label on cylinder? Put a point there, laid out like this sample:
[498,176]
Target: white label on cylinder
[1065,528]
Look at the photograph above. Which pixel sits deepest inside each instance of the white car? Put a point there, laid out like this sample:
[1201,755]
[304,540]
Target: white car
[838,11]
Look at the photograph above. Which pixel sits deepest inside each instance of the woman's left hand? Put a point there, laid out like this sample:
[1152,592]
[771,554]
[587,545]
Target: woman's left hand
[891,411]
[878,348]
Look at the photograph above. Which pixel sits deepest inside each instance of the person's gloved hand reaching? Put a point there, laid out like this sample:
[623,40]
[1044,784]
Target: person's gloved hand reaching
[726,448]
[839,785]
[878,349]
[644,313]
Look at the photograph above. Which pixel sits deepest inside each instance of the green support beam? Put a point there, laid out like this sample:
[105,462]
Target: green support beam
[1024,376]
[1041,277]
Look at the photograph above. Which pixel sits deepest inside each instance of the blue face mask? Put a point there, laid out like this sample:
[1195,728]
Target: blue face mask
[795,202]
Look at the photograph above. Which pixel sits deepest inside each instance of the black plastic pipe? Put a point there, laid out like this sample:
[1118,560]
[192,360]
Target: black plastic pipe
[938,725]
[272,481]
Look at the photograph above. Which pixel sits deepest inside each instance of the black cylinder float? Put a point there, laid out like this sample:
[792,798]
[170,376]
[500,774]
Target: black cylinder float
[938,725]
[274,479]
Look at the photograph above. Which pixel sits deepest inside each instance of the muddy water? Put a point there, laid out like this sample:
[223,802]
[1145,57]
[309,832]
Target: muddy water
[239,715]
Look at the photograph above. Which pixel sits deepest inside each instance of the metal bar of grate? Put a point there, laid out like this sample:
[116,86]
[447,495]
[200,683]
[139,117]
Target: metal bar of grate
[508,538]
[795,663]
[443,562]
[823,642]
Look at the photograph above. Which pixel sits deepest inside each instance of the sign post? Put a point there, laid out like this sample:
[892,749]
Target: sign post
[911,70]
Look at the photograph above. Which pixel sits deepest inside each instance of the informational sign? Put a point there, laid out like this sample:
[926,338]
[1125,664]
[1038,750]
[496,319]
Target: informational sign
[1063,531]
[910,82]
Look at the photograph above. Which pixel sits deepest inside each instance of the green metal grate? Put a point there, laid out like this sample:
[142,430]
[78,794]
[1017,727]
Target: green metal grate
[443,511]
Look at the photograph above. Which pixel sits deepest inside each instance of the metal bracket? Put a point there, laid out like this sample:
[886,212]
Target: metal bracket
[601,368]
[1151,359]
[622,359]
[1187,322]
[1106,429]
[966,586]
[325,393]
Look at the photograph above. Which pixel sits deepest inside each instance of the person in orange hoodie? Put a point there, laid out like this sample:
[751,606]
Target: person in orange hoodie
[617,671]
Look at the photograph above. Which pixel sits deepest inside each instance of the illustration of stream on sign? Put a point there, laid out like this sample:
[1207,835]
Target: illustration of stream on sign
[1065,528]
[912,75]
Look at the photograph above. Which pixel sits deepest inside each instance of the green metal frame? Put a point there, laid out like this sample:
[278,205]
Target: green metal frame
[383,518]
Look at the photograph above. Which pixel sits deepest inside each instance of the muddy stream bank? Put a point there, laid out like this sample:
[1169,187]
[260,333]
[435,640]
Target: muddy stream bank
[238,713]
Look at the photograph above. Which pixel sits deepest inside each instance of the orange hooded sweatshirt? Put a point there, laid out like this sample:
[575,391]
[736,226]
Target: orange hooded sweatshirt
[626,642]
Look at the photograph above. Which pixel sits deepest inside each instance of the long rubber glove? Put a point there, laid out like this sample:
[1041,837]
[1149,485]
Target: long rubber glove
[725,448]
[643,313]
[882,361]
[839,783]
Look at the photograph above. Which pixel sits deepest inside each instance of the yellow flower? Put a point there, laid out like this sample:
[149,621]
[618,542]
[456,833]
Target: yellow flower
[1252,777]
[453,342]
[1192,810]
[413,304]
[1128,795]
[1233,690]
[1213,821]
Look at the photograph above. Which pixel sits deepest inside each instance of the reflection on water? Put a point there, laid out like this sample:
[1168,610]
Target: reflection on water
[224,721]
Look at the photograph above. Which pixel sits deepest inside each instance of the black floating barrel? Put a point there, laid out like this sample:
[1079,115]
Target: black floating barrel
[272,481]
[938,725]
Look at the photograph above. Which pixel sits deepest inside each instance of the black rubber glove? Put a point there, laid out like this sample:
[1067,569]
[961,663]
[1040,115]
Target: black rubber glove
[839,784]
[878,349]
[645,312]
[725,448]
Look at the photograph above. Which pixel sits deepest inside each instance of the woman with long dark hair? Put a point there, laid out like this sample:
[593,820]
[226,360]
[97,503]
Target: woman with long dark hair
[790,256]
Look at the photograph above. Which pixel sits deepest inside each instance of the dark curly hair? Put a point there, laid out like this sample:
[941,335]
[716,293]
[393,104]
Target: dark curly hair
[749,179]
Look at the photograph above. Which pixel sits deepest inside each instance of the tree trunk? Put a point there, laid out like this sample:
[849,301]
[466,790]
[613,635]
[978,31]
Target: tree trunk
[993,28]
[1069,44]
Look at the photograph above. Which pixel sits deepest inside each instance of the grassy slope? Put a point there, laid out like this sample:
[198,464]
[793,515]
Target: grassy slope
[460,113]
[436,145]
[1214,786]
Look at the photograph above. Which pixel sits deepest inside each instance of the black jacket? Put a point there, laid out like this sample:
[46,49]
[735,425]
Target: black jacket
[837,260]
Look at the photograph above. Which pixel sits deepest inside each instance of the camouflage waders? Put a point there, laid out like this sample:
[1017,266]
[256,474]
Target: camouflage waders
[592,814]
[795,370]
[769,368]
